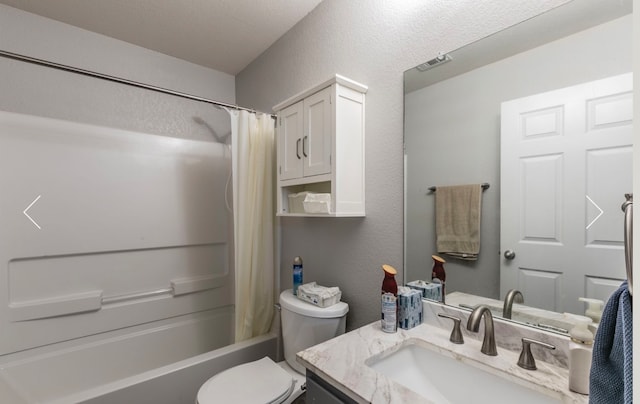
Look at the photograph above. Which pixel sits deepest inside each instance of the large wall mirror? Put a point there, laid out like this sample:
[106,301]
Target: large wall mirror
[542,113]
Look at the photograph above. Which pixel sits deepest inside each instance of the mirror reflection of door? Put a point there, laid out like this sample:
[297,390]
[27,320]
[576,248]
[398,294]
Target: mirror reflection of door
[566,158]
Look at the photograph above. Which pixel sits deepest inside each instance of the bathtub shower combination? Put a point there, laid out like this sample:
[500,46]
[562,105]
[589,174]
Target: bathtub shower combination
[116,265]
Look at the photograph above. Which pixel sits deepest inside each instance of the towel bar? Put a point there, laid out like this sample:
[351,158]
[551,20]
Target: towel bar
[484,186]
[627,208]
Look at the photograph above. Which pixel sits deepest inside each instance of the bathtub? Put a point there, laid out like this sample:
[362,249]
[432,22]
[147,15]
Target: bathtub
[163,363]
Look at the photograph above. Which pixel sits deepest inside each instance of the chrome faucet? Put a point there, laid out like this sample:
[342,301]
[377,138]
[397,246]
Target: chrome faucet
[473,324]
[512,295]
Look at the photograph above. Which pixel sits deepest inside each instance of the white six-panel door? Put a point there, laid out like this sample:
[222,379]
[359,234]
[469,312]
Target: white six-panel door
[566,163]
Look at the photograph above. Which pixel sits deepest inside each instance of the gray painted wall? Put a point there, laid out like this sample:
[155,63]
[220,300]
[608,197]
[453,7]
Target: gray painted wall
[452,132]
[372,42]
[42,91]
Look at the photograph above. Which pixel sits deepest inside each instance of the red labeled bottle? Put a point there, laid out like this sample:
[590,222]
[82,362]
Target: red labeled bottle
[389,321]
[438,273]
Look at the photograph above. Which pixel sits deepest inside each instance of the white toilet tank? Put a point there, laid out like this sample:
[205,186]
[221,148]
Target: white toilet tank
[305,325]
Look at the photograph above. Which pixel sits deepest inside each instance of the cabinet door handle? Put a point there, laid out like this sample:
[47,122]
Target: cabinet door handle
[304,146]
[298,149]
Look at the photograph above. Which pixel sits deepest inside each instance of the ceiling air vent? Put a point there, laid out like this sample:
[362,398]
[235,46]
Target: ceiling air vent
[430,64]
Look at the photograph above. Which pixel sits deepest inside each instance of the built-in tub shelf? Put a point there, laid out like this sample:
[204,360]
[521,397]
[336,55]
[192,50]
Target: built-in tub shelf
[94,300]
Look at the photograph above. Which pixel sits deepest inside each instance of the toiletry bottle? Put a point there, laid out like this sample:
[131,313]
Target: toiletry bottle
[594,308]
[389,300]
[297,274]
[438,273]
[580,349]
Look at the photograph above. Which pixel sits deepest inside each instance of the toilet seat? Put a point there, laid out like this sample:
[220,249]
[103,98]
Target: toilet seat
[260,382]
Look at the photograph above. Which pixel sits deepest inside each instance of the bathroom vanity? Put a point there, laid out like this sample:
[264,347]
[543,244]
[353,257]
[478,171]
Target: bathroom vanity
[421,365]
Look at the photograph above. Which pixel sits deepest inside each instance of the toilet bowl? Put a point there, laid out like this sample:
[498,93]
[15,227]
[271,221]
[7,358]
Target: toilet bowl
[262,381]
[265,381]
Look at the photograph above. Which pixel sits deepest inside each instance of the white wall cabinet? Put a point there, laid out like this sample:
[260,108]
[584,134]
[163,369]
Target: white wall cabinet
[320,147]
[305,134]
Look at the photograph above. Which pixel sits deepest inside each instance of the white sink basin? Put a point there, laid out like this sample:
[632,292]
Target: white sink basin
[444,379]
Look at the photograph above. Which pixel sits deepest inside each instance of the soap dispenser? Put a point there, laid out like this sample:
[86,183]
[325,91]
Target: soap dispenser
[594,308]
[580,349]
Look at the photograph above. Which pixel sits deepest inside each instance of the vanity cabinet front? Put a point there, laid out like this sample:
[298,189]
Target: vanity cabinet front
[320,391]
[320,148]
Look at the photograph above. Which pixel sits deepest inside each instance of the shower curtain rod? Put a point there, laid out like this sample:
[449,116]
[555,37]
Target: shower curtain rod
[59,66]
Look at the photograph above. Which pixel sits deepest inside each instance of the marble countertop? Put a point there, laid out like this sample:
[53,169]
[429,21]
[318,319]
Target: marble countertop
[342,361]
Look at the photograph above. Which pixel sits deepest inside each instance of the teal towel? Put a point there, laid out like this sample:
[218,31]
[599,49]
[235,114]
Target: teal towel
[611,378]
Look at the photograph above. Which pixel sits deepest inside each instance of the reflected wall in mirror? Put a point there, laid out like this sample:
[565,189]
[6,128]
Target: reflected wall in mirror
[453,137]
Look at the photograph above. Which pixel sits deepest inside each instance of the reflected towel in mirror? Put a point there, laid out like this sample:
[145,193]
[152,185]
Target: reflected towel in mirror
[458,211]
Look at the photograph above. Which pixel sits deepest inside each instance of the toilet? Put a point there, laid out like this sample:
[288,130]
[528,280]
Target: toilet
[265,381]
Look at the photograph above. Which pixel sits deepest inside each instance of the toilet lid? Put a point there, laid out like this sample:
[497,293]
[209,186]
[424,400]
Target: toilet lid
[260,382]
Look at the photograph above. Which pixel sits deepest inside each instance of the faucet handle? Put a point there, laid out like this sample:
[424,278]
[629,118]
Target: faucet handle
[456,334]
[526,360]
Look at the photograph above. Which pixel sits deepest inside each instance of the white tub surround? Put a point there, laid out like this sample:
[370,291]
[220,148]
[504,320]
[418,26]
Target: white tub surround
[343,362]
[120,261]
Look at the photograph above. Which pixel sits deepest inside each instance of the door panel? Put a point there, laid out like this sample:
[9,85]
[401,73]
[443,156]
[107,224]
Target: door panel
[317,136]
[605,221]
[541,288]
[601,288]
[541,199]
[290,142]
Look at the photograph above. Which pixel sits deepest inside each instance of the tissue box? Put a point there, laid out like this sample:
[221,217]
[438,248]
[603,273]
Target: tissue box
[431,291]
[296,202]
[320,296]
[317,203]
[409,307]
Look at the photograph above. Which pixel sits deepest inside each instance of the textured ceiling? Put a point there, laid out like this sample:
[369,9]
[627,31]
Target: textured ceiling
[225,35]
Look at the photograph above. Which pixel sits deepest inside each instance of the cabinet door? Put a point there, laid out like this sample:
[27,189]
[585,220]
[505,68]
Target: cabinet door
[316,143]
[322,392]
[290,128]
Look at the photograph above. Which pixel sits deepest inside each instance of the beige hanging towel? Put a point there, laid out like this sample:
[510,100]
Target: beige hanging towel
[458,211]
